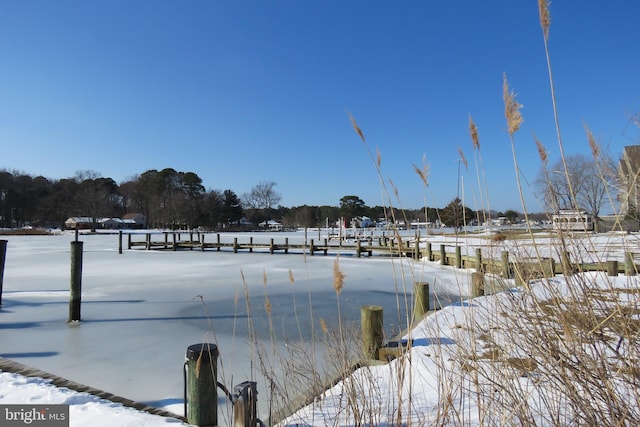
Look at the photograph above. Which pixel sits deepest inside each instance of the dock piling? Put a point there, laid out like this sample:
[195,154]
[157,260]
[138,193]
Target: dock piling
[371,322]
[3,254]
[201,381]
[75,299]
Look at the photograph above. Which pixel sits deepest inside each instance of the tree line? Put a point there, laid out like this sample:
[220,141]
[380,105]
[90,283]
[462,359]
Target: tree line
[178,200]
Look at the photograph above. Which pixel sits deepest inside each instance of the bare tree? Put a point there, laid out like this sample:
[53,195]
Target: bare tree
[262,199]
[584,184]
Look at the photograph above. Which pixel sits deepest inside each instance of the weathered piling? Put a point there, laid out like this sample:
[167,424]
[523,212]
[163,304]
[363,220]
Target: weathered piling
[612,267]
[458,257]
[174,243]
[129,241]
[567,268]
[148,241]
[75,299]
[311,249]
[429,253]
[416,254]
[371,322]
[235,245]
[421,300]
[120,242]
[477,285]
[506,268]
[3,255]
[201,381]
[629,265]
[443,255]
[479,265]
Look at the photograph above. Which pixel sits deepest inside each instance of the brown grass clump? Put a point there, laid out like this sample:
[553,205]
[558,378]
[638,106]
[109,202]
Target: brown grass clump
[498,237]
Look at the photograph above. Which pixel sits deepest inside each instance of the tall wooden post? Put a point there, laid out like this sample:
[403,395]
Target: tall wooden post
[612,267]
[286,245]
[174,245]
[358,248]
[506,270]
[235,245]
[129,241]
[371,322]
[417,250]
[311,249]
[201,380]
[567,268]
[250,244]
[479,266]
[421,300]
[202,241]
[458,257]
[76,281]
[443,255]
[477,285]
[3,254]
[429,254]
[629,265]
[148,241]
[218,241]
[271,246]
[120,242]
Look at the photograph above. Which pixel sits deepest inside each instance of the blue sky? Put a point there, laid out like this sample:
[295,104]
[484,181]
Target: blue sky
[246,91]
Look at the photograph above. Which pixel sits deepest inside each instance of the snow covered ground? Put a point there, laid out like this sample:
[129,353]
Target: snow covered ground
[142,309]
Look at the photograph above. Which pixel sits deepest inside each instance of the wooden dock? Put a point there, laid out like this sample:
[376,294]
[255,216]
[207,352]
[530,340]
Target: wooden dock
[204,241]
[413,248]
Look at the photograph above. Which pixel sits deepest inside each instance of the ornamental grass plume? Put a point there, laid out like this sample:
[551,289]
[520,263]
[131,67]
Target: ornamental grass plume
[463,158]
[473,131]
[545,17]
[356,127]
[423,172]
[338,277]
[595,147]
[542,152]
[511,107]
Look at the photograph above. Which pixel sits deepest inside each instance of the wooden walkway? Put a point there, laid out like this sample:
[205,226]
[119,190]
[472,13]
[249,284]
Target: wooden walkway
[198,241]
[521,270]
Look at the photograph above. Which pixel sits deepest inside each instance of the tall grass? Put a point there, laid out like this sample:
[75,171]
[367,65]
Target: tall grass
[557,351]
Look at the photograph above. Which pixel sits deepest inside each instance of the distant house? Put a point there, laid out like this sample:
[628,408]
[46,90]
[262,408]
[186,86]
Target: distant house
[111,223]
[272,225]
[79,223]
[572,220]
[134,220]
